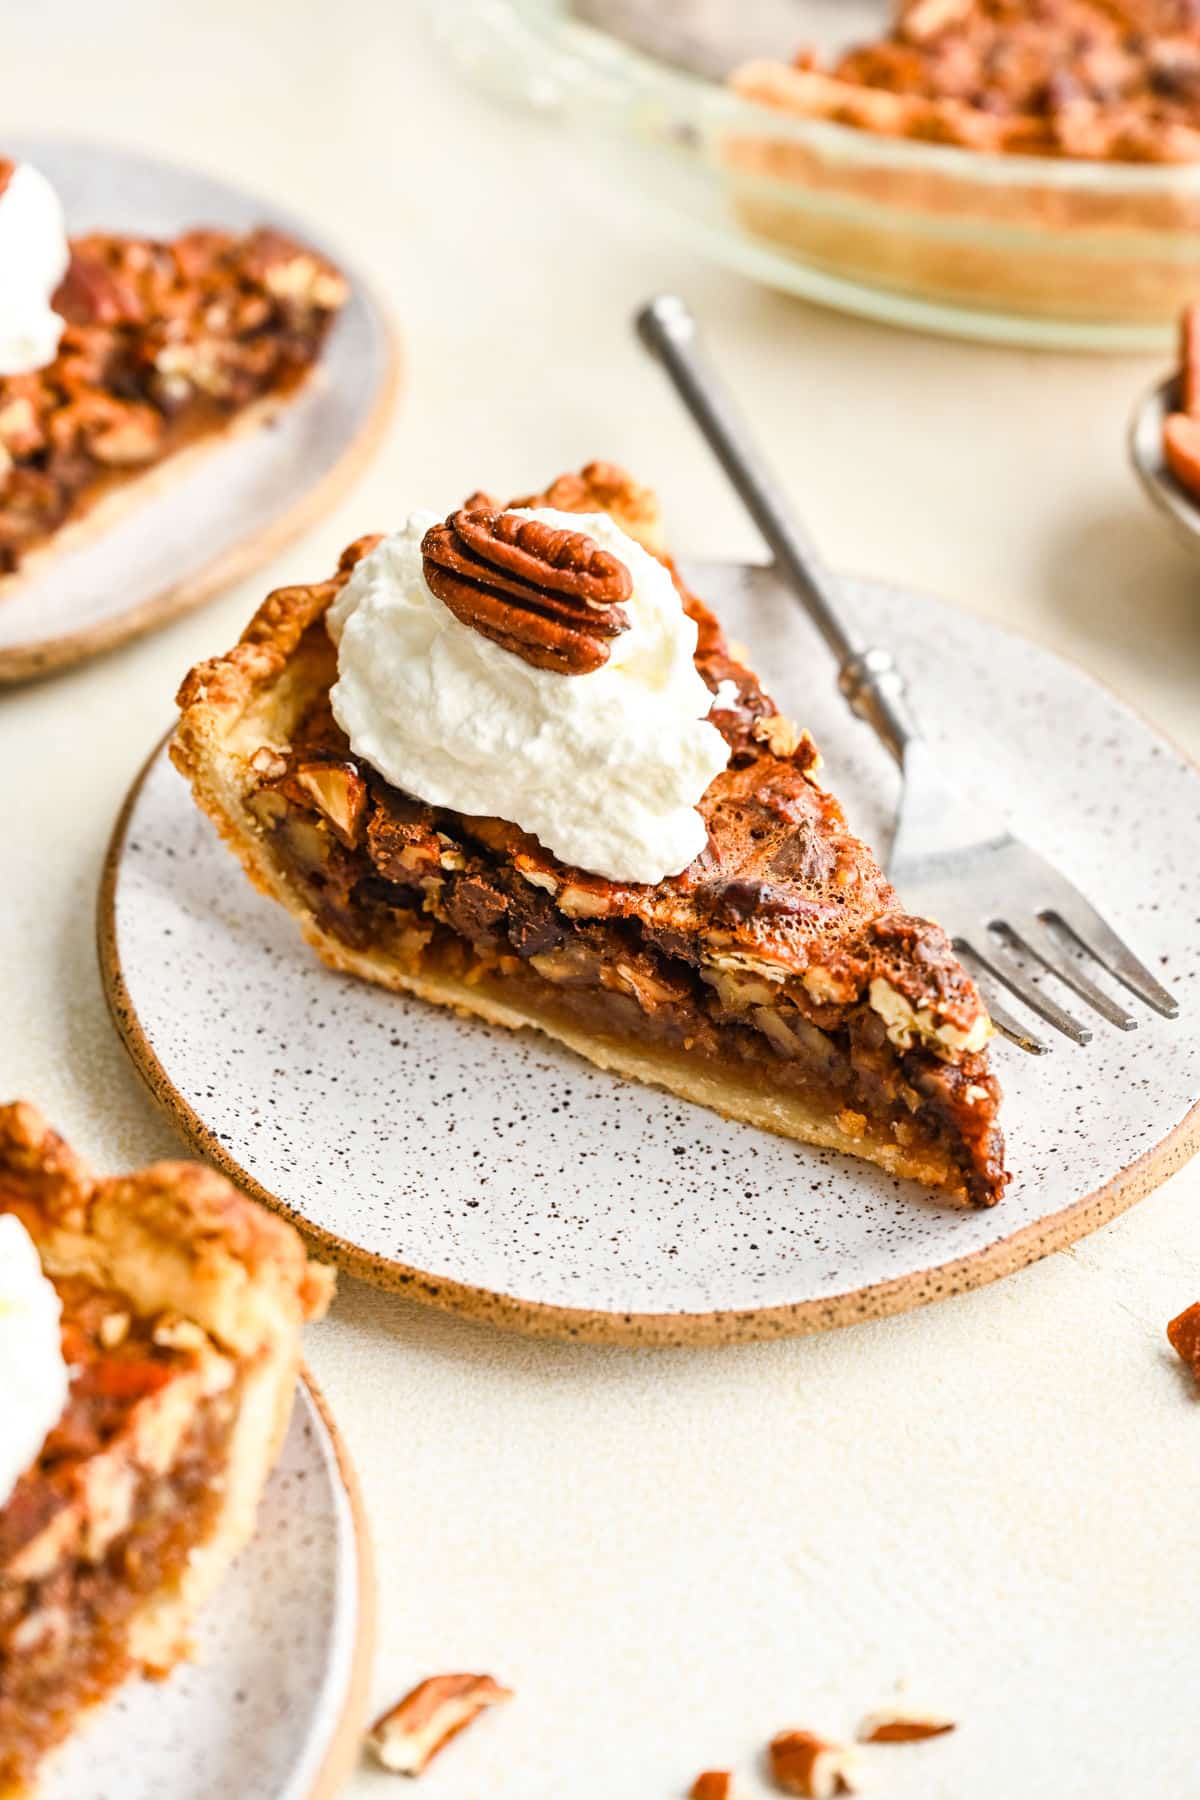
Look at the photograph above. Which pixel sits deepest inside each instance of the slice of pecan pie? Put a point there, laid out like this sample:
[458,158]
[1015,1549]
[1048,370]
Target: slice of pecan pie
[181,1304]
[776,979]
[166,346]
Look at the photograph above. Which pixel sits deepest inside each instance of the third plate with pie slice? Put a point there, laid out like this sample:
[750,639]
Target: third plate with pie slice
[151,1433]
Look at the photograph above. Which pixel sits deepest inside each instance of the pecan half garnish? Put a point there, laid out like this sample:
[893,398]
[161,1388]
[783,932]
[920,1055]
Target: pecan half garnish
[551,597]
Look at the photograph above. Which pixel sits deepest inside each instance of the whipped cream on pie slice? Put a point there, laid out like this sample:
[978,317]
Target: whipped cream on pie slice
[34,254]
[34,1379]
[606,768]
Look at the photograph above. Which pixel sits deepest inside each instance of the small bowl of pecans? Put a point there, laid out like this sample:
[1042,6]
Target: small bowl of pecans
[1164,436]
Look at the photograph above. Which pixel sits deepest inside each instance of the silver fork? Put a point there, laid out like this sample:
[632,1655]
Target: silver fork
[1011,914]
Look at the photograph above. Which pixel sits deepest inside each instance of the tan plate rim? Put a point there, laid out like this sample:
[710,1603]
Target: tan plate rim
[51,656]
[345,1746]
[537,1318]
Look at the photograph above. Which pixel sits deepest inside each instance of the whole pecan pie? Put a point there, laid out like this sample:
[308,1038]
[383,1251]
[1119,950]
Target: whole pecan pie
[181,1304]
[777,979]
[912,198]
[166,345]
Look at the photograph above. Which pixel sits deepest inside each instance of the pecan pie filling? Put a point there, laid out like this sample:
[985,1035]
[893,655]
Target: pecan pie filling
[127,1485]
[750,958]
[164,344]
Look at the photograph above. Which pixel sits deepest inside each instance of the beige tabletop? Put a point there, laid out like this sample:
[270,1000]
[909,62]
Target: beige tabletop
[671,1555]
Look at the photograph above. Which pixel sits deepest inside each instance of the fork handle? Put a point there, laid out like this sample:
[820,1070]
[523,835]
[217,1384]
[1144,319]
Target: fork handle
[869,678]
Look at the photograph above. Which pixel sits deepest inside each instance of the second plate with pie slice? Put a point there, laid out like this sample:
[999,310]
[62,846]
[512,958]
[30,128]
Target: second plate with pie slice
[208,514]
[498,1174]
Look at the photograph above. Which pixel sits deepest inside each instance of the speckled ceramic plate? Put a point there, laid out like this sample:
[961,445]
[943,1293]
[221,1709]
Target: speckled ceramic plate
[271,1708]
[220,510]
[501,1175]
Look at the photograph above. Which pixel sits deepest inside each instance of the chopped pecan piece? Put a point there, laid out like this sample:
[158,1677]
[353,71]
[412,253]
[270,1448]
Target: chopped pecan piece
[93,293]
[114,1329]
[779,734]
[408,1737]
[714,1784]
[551,597]
[20,432]
[803,1763]
[926,19]
[339,794]
[116,433]
[1183,1334]
[902,1724]
[268,763]
[291,273]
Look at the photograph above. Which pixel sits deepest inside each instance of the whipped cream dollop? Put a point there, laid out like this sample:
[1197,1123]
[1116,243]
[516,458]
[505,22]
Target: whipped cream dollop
[605,769]
[33,1375]
[34,254]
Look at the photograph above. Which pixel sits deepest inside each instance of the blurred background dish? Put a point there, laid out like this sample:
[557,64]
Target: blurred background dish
[1055,251]
[1150,464]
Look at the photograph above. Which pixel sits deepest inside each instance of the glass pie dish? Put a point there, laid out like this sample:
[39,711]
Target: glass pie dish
[1052,251]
